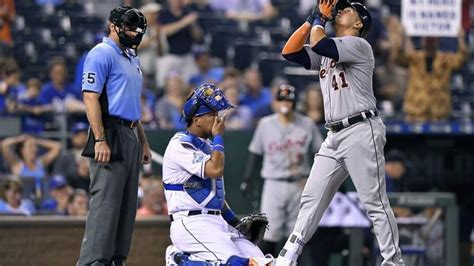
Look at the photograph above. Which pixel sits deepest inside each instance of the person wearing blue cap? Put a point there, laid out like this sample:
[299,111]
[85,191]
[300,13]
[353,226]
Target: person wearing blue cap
[59,192]
[193,168]
[111,86]
[71,164]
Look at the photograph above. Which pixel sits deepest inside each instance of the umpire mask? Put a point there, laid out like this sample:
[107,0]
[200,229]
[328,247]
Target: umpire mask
[127,18]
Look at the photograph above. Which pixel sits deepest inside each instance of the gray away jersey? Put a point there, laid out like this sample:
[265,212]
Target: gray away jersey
[346,85]
[287,151]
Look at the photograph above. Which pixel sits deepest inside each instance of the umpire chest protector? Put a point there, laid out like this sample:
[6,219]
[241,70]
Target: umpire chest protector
[209,193]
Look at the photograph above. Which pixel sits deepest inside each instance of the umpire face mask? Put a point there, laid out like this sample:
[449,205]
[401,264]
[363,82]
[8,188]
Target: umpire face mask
[132,26]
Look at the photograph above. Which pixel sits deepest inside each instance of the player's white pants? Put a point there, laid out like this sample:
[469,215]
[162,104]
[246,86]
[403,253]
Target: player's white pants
[210,238]
[356,151]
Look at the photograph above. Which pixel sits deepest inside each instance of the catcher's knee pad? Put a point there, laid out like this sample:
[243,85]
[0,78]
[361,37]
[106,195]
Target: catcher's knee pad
[237,261]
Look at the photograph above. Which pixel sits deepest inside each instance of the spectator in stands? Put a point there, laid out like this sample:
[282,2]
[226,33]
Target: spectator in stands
[182,30]
[266,109]
[58,92]
[21,155]
[391,79]
[312,103]
[240,117]
[395,169]
[149,46]
[9,84]
[256,94]
[395,178]
[31,109]
[11,201]
[59,193]
[7,16]
[169,107]
[71,164]
[78,203]
[246,11]
[428,96]
[378,35]
[148,117]
[153,200]
[207,73]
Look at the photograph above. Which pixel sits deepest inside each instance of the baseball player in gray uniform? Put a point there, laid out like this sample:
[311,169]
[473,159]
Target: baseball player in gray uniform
[356,138]
[286,140]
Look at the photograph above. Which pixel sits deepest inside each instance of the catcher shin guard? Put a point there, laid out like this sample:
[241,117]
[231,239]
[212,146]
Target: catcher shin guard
[293,247]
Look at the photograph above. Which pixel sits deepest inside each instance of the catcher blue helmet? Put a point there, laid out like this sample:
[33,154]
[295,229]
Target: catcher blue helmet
[205,99]
[364,15]
[131,18]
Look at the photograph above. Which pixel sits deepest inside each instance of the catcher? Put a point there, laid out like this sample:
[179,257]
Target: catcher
[204,230]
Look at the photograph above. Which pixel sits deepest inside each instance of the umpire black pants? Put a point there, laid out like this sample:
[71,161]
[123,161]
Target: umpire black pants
[113,204]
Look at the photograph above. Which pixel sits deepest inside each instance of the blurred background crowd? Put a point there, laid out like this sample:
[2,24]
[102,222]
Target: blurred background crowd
[233,43]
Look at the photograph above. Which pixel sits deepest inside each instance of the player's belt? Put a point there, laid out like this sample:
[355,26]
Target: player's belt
[181,187]
[174,216]
[351,120]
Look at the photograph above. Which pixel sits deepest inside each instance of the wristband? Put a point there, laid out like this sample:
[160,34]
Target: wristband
[228,215]
[218,143]
[101,139]
[319,21]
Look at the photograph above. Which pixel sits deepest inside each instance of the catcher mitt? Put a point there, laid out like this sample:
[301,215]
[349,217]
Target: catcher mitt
[253,227]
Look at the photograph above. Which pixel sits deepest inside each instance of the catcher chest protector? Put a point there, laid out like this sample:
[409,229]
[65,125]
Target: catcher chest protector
[209,193]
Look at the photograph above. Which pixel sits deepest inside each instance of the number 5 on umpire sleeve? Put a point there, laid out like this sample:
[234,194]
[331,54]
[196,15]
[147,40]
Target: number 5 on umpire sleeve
[88,77]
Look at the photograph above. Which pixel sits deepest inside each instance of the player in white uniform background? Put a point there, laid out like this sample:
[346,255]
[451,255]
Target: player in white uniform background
[286,141]
[356,138]
[202,224]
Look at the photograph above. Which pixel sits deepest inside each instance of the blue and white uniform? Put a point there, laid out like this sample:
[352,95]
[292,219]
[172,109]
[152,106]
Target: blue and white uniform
[206,236]
[194,200]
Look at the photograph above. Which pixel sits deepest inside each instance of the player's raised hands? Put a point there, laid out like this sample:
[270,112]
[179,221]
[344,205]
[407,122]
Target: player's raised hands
[219,125]
[326,7]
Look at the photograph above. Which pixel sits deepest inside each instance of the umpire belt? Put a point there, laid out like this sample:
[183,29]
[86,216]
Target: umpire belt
[182,214]
[351,120]
[113,121]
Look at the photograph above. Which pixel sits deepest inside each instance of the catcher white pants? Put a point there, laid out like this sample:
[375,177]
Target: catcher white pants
[209,237]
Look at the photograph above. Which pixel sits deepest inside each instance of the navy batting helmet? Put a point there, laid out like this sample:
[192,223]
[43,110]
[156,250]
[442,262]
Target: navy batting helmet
[364,15]
[205,99]
[132,19]
[286,93]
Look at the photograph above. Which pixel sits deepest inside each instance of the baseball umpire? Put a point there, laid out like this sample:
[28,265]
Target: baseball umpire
[111,85]
[287,141]
[355,142]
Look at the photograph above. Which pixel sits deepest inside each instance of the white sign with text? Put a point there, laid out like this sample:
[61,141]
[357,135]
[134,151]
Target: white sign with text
[438,18]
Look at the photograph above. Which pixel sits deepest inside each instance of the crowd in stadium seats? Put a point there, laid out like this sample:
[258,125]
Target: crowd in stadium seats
[235,44]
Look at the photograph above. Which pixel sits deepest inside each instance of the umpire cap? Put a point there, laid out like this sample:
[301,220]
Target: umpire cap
[205,99]
[364,15]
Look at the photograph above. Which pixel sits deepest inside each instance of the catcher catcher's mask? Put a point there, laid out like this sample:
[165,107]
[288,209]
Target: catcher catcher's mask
[205,99]
[127,18]
[364,15]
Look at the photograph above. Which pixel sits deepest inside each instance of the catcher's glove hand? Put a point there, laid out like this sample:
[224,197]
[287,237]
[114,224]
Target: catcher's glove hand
[326,7]
[253,227]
